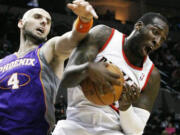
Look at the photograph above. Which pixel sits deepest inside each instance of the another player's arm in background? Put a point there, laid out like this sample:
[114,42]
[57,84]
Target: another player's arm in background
[60,47]
[81,63]
[140,112]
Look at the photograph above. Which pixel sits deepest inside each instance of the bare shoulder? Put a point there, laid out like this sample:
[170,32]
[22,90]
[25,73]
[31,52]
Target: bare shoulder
[48,48]
[155,73]
[153,84]
[98,35]
[154,79]
[150,92]
[89,47]
[101,29]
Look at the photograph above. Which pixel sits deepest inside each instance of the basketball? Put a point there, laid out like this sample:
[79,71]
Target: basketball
[92,93]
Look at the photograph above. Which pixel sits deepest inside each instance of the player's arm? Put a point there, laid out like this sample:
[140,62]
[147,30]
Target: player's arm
[139,112]
[149,94]
[81,63]
[60,47]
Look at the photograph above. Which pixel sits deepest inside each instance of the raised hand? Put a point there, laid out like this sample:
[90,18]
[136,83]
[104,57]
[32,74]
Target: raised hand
[82,9]
[129,95]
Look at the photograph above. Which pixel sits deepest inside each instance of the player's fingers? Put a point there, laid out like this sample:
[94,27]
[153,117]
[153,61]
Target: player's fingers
[75,4]
[71,6]
[77,1]
[124,97]
[115,82]
[114,75]
[128,94]
[125,87]
[92,11]
[109,86]
[114,79]
[88,7]
[81,4]
[101,89]
[105,64]
[135,89]
[134,94]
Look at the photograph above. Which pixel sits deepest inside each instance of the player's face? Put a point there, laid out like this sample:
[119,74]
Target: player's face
[152,36]
[36,24]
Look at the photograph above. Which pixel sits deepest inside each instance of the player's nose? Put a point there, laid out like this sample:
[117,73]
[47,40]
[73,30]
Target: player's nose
[43,21]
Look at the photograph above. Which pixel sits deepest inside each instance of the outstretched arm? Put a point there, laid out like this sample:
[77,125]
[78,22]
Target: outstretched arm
[60,47]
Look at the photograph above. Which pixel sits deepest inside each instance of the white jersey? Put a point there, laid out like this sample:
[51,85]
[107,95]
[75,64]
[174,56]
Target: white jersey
[90,119]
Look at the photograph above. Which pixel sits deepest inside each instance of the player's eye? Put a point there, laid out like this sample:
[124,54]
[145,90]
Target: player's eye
[155,31]
[48,21]
[37,16]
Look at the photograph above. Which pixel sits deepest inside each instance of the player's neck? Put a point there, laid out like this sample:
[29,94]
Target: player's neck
[25,47]
[131,54]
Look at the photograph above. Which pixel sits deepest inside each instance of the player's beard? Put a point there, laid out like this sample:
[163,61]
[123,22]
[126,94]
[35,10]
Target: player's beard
[34,38]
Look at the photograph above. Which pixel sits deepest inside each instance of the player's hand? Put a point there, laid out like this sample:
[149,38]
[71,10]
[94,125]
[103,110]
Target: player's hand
[102,77]
[83,9]
[129,95]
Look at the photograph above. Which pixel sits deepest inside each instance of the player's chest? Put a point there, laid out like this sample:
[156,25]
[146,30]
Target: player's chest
[18,73]
[131,75]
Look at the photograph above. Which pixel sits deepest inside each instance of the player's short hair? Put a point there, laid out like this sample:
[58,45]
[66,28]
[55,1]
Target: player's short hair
[147,18]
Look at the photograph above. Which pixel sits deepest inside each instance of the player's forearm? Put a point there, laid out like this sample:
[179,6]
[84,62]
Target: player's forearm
[133,120]
[67,42]
[74,74]
[81,28]
[84,22]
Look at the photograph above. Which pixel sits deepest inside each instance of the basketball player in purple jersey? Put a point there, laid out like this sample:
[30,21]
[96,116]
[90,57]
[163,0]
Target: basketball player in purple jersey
[30,77]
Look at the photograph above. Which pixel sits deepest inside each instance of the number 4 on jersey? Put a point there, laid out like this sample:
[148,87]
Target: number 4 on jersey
[13,80]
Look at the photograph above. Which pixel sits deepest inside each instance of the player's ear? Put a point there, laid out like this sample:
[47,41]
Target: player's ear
[138,25]
[20,23]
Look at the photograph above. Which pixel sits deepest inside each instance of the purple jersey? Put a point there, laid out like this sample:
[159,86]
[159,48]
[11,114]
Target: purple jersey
[22,96]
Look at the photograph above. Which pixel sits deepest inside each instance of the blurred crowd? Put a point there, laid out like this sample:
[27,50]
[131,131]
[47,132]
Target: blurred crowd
[167,59]
[163,123]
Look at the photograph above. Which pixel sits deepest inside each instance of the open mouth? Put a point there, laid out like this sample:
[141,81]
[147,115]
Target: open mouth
[40,30]
[148,49]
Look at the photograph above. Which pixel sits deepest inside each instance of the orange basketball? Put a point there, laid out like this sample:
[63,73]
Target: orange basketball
[92,93]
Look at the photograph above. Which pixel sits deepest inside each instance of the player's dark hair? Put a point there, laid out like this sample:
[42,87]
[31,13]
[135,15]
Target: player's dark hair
[147,18]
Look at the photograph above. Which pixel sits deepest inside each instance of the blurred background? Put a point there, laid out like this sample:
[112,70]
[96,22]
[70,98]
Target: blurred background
[120,14]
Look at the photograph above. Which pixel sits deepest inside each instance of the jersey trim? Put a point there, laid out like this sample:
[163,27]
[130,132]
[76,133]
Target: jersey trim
[126,59]
[108,40]
[114,108]
[42,84]
[152,67]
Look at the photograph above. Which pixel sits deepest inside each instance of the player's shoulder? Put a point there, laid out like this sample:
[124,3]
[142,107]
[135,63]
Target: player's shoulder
[99,34]
[6,58]
[101,27]
[155,74]
[100,31]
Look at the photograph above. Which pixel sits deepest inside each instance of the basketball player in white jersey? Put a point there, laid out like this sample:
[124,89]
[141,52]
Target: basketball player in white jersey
[142,79]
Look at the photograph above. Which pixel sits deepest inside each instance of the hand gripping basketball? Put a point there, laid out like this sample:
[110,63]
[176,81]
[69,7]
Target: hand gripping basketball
[93,94]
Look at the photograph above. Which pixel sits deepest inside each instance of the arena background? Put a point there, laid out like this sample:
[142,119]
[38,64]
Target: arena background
[120,14]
